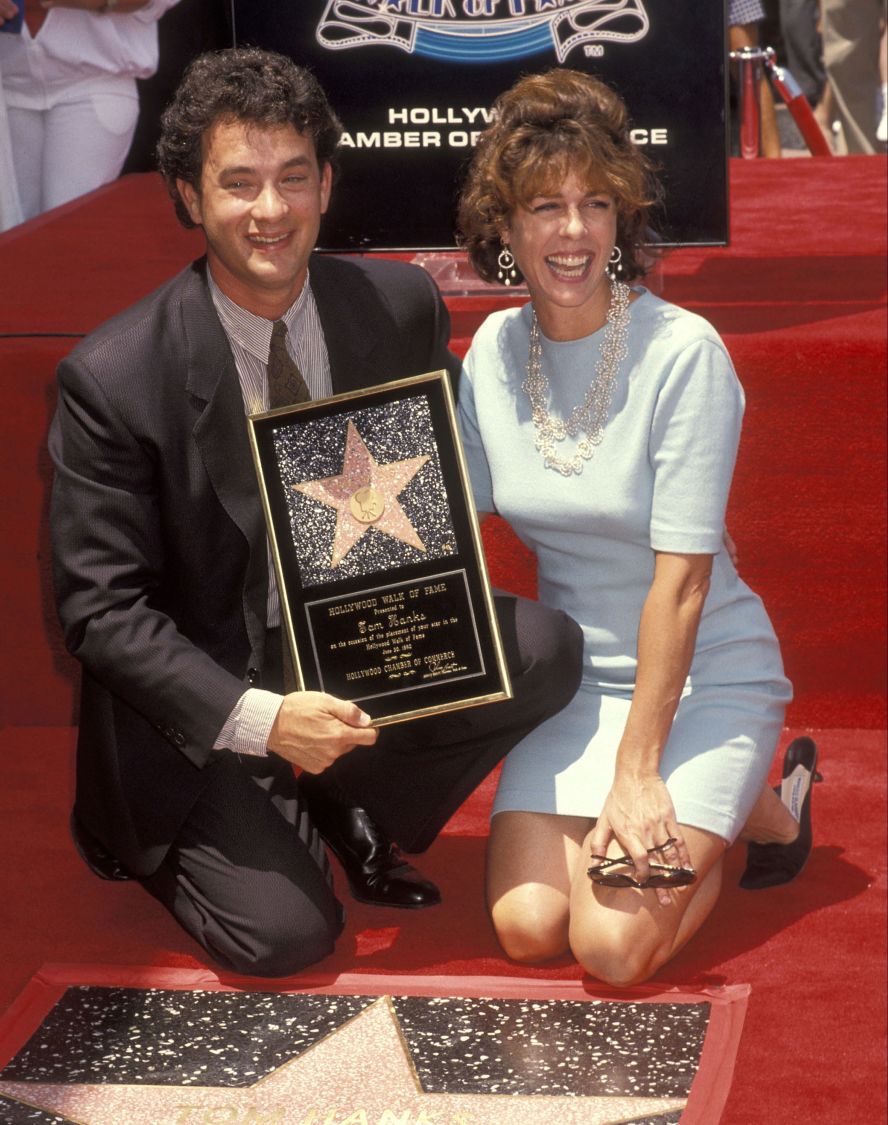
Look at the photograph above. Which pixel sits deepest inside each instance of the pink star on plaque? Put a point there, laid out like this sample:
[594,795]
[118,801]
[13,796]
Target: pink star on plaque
[365,494]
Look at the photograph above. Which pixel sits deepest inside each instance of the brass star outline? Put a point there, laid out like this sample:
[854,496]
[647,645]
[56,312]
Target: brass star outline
[361,471]
[359,1074]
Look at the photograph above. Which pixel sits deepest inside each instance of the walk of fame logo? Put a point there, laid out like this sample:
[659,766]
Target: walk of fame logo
[478,31]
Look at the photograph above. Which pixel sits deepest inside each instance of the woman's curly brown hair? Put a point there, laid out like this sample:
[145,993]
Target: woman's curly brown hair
[545,126]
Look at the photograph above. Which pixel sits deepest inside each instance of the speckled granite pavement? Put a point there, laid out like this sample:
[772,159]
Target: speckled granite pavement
[121,1055]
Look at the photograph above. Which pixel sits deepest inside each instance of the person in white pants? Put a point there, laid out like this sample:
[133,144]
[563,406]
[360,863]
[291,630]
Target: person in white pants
[10,204]
[69,84]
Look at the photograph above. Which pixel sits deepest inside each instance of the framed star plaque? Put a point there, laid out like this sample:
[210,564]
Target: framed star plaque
[384,591]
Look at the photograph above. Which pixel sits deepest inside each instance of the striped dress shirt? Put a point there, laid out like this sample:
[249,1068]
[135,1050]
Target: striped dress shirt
[247,728]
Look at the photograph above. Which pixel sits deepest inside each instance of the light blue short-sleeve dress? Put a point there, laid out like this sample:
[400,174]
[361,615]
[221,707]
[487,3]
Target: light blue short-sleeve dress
[658,481]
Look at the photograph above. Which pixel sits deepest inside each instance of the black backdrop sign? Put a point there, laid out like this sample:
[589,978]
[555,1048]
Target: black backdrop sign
[413,81]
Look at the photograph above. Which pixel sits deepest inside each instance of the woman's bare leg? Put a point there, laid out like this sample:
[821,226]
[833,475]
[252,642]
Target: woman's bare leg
[531,859]
[622,935]
[770,821]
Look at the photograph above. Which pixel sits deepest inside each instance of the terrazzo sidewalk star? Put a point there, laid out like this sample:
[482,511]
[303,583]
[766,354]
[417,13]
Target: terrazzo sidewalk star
[203,1056]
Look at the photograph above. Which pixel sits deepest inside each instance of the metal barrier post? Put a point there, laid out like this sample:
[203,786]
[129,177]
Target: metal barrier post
[749,61]
[797,104]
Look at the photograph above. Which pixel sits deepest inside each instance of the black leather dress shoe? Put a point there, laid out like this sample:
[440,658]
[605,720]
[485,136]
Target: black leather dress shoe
[377,873]
[769,865]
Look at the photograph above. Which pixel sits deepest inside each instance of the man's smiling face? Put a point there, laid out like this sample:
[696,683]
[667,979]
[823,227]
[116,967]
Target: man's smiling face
[261,198]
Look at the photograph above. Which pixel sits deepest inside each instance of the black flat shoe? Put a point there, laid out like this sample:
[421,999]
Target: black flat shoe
[377,873]
[769,865]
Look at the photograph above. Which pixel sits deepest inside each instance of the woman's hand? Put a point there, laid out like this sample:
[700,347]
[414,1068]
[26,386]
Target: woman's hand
[8,11]
[638,813]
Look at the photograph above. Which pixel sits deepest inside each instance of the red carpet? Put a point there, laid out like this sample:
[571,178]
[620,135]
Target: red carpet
[800,298]
[813,952]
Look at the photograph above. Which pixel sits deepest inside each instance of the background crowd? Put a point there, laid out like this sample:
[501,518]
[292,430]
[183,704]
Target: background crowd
[84,82]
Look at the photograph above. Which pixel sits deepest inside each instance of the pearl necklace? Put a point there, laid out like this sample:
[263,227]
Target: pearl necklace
[591,416]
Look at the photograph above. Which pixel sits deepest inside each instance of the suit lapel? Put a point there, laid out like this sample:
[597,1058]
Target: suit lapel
[220,434]
[354,323]
[345,300]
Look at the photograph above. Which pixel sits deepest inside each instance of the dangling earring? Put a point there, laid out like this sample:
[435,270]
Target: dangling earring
[615,264]
[506,274]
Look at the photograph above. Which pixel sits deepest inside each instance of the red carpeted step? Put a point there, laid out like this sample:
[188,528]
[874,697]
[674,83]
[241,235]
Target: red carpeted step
[799,295]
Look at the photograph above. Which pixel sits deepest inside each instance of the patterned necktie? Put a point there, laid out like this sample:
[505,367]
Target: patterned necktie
[285,383]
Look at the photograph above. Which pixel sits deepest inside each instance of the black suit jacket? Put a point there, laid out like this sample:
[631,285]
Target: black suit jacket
[159,541]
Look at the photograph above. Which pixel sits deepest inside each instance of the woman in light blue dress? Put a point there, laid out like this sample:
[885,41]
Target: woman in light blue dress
[603,424]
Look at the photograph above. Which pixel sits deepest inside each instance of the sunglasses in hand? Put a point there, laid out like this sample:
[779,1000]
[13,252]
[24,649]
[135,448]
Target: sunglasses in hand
[605,872]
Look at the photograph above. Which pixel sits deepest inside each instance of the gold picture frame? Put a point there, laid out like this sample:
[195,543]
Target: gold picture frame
[384,592]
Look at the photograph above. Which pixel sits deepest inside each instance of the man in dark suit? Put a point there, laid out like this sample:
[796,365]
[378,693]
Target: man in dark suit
[188,741]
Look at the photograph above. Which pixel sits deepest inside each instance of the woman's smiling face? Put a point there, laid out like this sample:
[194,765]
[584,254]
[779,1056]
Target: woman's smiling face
[562,240]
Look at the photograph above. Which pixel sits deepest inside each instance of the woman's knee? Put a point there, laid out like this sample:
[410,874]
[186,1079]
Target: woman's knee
[529,933]
[618,968]
[619,959]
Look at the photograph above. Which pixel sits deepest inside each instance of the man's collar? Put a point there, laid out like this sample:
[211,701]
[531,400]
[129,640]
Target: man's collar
[253,332]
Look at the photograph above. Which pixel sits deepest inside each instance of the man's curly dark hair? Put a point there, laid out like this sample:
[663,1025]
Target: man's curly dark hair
[240,84]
